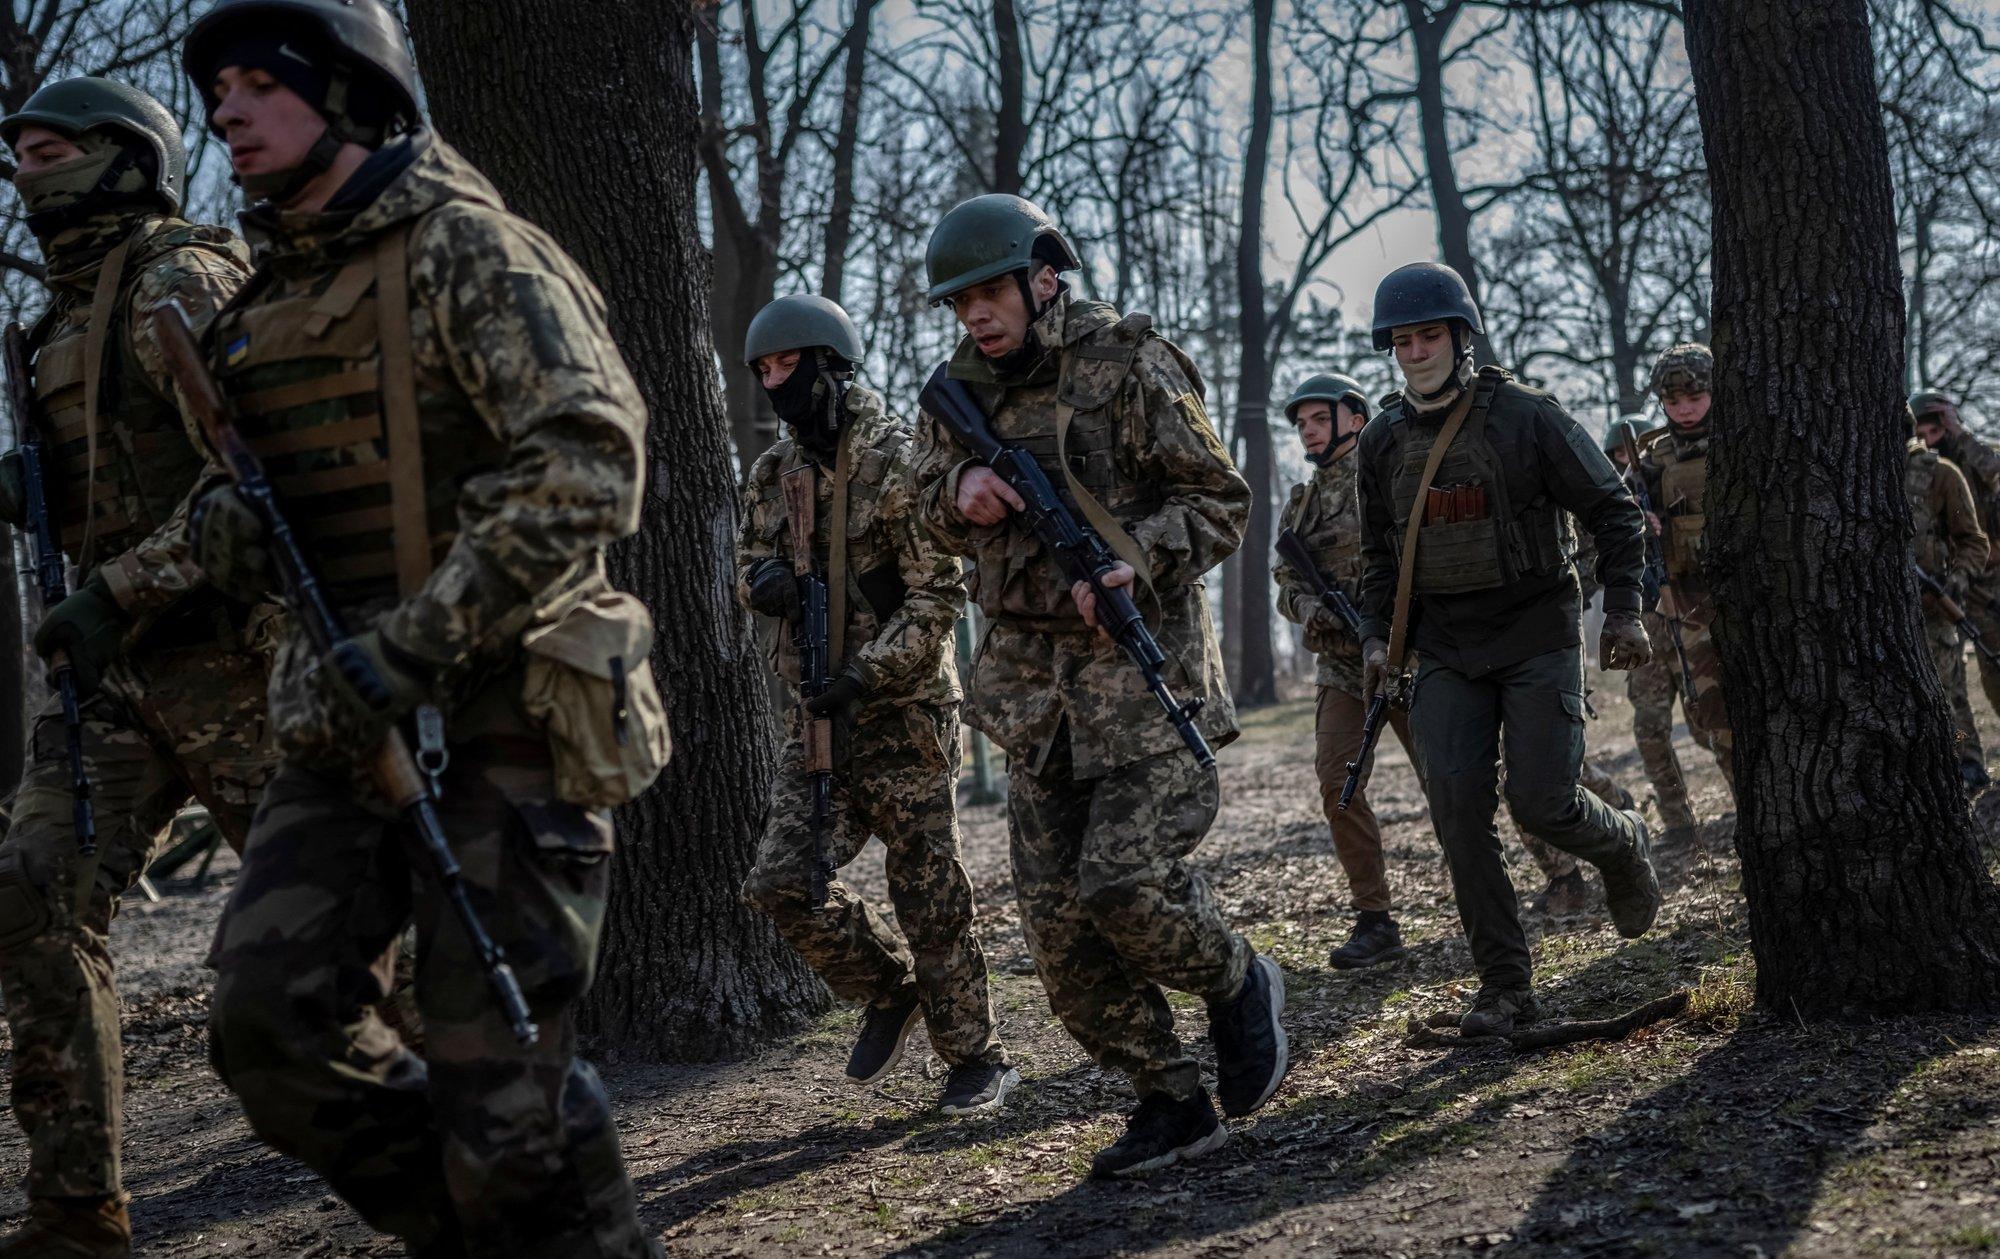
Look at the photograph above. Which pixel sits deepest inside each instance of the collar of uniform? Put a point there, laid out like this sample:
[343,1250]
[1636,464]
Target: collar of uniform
[75,254]
[1067,321]
[1690,447]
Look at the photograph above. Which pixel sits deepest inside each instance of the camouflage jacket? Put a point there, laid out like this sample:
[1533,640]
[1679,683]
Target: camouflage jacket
[1948,538]
[197,266]
[1142,444]
[1326,512]
[521,390]
[1981,465]
[904,593]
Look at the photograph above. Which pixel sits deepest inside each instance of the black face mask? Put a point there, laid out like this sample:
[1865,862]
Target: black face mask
[809,401]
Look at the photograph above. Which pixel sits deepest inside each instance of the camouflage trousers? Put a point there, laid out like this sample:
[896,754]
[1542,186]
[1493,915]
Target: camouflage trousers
[1707,714]
[481,1146]
[1357,836]
[165,725]
[1948,649]
[1113,912]
[1652,688]
[900,785]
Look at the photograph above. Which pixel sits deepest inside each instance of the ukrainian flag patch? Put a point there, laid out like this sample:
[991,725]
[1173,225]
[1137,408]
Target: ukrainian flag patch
[236,351]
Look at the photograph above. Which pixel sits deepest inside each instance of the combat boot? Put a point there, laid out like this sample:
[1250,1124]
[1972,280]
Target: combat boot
[1375,941]
[884,1029]
[1496,1011]
[69,1228]
[1162,1132]
[1631,888]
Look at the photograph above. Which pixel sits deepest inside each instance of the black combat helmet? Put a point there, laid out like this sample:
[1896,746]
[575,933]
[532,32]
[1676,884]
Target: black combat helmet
[1421,293]
[800,322]
[74,106]
[374,80]
[1921,404]
[992,235]
[1633,422]
[1331,388]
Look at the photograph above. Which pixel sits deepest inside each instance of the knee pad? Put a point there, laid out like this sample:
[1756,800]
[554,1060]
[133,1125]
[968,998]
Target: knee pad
[24,907]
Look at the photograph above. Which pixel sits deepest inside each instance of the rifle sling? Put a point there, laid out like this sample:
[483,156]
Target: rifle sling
[836,553]
[1406,572]
[1096,513]
[96,337]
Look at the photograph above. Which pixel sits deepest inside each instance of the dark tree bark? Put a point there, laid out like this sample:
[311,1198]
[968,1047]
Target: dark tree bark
[1865,886]
[686,970]
[1428,32]
[1010,121]
[1255,680]
[847,137]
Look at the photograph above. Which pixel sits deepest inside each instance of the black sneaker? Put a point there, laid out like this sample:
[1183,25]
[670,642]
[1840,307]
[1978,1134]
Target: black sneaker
[883,1031]
[1252,1052]
[975,1086]
[1160,1133]
[1375,940]
[1495,1011]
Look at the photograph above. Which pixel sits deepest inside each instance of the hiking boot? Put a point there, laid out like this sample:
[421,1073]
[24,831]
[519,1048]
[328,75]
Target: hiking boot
[69,1228]
[1566,895]
[1631,888]
[884,1028]
[975,1086]
[1252,1052]
[1375,940]
[1495,1011]
[1160,1133]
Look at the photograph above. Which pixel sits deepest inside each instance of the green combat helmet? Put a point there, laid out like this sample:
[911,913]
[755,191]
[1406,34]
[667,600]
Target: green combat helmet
[992,235]
[1633,423]
[800,322]
[1686,368]
[1929,400]
[1331,388]
[73,107]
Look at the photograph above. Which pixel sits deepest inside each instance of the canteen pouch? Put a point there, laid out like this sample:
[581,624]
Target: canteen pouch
[588,680]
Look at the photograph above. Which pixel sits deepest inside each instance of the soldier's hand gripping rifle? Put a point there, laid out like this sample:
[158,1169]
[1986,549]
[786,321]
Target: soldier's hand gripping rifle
[810,635]
[1955,613]
[1292,549]
[393,770]
[1083,555]
[1656,564]
[49,576]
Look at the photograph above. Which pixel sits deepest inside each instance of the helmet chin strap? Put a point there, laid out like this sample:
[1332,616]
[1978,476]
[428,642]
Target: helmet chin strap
[282,187]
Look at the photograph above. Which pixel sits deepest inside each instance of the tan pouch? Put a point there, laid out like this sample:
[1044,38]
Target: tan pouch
[589,681]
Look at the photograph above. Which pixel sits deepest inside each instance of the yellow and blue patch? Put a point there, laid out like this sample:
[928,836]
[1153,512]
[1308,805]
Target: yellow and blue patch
[236,351]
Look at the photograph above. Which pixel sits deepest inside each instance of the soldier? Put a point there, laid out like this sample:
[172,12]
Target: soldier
[1939,427]
[1674,464]
[1951,548]
[1328,413]
[1468,484]
[456,439]
[172,690]
[895,701]
[1651,687]
[1106,804]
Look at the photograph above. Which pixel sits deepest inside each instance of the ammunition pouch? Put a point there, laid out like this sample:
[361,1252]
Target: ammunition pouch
[588,681]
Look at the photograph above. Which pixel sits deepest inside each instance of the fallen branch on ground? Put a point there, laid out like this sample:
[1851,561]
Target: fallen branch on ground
[1432,1033]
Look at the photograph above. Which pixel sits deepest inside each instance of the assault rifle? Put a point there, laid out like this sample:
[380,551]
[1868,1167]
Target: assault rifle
[1082,554]
[49,576]
[1656,564]
[1956,614]
[393,770]
[810,637]
[1292,550]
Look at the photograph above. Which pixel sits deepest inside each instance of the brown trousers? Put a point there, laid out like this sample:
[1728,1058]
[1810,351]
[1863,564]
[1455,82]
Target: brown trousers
[1357,836]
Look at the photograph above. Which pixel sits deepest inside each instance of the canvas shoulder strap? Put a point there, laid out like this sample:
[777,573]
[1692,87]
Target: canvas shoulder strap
[401,428]
[1406,569]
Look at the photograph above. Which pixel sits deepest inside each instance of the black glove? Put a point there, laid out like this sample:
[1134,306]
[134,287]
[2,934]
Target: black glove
[840,694]
[89,628]
[773,589]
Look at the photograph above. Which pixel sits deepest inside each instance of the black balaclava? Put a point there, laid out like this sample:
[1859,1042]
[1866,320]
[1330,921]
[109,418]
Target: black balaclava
[813,399]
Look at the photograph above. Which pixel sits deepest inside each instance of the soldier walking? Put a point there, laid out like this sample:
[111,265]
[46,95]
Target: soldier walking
[1938,427]
[172,690]
[1950,547]
[455,439]
[1468,484]
[894,699]
[1328,413]
[1106,804]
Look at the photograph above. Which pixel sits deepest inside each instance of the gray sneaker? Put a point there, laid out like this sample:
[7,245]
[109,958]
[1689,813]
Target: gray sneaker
[880,1045]
[972,1087]
[1631,888]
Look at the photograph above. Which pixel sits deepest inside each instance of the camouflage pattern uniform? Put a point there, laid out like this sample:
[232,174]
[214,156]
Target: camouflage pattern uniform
[531,435]
[1981,465]
[1326,513]
[899,762]
[1652,688]
[1106,804]
[179,713]
[1949,546]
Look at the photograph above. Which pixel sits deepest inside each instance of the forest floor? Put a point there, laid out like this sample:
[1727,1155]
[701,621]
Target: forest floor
[1722,1132]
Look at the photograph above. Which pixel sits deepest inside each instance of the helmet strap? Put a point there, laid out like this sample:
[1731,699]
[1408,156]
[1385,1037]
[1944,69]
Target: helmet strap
[281,187]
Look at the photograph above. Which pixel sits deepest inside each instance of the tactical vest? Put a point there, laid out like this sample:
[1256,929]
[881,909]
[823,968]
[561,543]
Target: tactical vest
[307,371]
[145,463]
[1933,549]
[1459,557]
[1682,481]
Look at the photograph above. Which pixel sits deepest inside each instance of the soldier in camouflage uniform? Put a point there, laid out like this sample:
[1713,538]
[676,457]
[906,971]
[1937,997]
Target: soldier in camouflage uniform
[894,699]
[1328,412]
[1951,547]
[1674,464]
[172,689]
[1106,803]
[456,438]
[1938,426]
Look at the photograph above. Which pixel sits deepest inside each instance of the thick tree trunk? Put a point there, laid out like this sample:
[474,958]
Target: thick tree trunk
[686,971]
[846,138]
[1010,123]
[1865,886]
[1428,32]
[1256,681]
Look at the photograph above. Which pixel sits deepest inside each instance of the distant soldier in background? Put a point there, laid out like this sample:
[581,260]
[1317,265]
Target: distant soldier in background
[1950,547]
[1939,427]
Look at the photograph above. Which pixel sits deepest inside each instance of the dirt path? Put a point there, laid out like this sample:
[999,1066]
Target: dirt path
[1718,1133]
